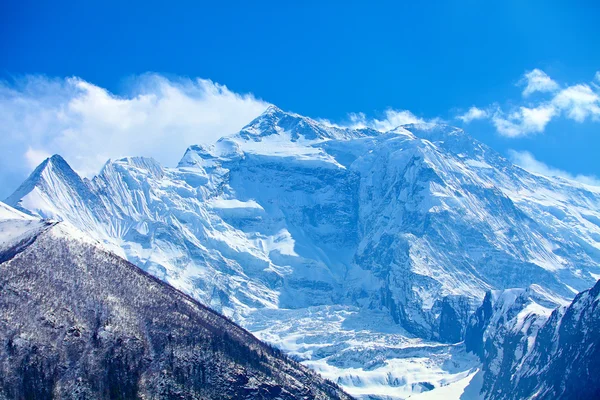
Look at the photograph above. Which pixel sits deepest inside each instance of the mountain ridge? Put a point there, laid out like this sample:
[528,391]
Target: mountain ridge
[413,229]
[97,326]
[537,349]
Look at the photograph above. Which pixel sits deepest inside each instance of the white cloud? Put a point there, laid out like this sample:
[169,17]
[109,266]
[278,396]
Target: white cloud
[527,161]
[34,157]
[537,118]
[597,76]
[577,102]
[537,81]
[86,124]
[392,119]
[395,118]
[473,114]
[524,121]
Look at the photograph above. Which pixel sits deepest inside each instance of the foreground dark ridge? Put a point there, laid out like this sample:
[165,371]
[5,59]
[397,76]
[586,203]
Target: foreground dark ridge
[79,322]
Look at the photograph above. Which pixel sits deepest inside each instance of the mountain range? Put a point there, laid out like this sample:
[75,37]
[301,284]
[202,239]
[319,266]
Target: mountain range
[367,255]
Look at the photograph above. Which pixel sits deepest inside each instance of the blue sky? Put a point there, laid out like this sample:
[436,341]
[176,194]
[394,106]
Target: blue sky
[321,59]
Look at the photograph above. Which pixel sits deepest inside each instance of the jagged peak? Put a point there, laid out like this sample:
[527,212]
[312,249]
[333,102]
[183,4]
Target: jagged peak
[55,161]
[195,155]
[202,150]
[198,154]
[452,139]
[142,163]
[507,298]
[136,161]
[275,121]
[273,109]
[52,169]
[53,178]
[265,124]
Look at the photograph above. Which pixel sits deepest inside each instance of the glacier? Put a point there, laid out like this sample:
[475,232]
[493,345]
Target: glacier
[362,253]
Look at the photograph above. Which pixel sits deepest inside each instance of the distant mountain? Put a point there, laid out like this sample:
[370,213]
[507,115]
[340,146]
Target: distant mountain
[339,245]
[77,321]
[531,351]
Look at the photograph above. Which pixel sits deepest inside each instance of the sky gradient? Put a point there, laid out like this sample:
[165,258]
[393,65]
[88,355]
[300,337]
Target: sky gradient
[328,61]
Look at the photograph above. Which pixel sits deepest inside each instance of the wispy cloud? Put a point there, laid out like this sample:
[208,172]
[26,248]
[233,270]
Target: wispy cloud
[523,121]
[527,161]
[86,124]
[473,114]
[391,119]
[537,81]
[578,102]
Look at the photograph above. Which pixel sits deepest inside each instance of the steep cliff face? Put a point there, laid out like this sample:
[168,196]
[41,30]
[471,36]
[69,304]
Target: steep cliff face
[565,360]
[530,350]
[77,321]
[292,216]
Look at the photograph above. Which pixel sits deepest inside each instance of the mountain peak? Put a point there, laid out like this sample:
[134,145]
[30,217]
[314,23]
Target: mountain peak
[53,173]
[56,161]
[275,121]
[202,155]
[273,109]
[269,123]
[56,158]
[148,164]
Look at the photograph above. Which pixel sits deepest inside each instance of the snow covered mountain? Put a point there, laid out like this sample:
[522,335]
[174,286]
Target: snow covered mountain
[355,250]
[534,346]
[76,321]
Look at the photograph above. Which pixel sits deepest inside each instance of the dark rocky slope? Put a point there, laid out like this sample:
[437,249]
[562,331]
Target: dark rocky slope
[531,352]
[76,321]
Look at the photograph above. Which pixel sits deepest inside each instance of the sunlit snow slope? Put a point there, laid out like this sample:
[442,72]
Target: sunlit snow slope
[362,252]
